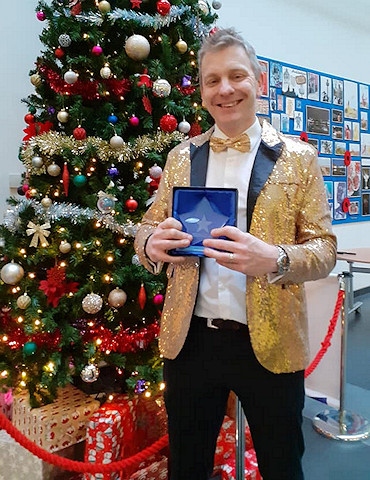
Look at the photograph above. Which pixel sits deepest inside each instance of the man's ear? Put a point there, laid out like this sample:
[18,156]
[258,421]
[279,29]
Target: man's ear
[259,89]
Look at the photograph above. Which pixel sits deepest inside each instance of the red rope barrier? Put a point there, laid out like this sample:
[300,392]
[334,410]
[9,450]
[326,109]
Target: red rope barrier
[325,344]
[82,467]
[75,466]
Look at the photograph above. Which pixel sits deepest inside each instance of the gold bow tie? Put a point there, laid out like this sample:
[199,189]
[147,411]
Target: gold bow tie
[241,143]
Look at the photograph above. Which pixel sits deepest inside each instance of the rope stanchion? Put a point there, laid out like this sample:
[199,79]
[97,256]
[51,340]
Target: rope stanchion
[76,466]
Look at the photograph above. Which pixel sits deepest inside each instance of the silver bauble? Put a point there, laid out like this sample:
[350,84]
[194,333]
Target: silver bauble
[105,72]
[63,116]
[135,260]
[116,141]
[90,373]
[117,298]
[37,162]
[184,127]
[137,47]
[216,4]
[161,88]
[64,40]
[70,77]
[92,303]
[46,202]
[24,301]
[65,247]
[53,170]
[12,273]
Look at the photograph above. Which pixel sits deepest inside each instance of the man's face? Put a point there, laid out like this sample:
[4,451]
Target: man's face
[229,89]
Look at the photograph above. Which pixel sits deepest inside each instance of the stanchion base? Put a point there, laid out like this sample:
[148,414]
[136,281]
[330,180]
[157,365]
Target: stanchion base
[341,425]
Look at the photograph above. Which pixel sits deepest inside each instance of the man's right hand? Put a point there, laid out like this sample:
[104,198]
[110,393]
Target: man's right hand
[167,236]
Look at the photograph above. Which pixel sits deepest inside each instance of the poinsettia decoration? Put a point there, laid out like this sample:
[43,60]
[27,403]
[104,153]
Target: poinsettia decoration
[347,158]
[56,285]
[303,136]
[36,128]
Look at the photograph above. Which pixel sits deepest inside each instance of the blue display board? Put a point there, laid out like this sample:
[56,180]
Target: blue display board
[333,113]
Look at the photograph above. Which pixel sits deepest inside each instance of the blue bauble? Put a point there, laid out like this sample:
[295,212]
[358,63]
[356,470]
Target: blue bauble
[113,119]
[79,180]
[29,348]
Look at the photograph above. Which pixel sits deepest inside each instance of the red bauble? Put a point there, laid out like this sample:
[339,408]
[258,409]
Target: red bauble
[195,130]
[65,178]
[163,7]
[168,123]
[29,118]
[134,121]
[59,52]
[79,133]
[141,298]
[131,204]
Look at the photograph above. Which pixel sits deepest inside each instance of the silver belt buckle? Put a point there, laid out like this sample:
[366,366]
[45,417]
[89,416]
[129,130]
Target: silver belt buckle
[210,324]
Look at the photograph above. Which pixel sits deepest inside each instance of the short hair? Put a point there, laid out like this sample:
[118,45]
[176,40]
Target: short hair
[228,37]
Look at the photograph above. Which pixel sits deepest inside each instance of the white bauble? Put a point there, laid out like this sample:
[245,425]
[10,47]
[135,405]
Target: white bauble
[184,127]
[63,116]
[137,47]
[65,247]
[70,77]
[92,303]
[117,298]
[161,88]
[53,170]
[105,72]
[12,273]
[116,141]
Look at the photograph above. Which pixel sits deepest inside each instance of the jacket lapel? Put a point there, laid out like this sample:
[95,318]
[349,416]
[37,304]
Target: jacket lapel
[264,163]
[199,162]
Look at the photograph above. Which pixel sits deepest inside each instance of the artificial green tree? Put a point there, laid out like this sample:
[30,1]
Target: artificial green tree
[115,89]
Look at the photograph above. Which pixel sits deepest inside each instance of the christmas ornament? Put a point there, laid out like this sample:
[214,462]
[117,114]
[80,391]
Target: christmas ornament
[36,80]
[96,50]
[106,202]
[70,77]
[147,105]
[181,46]
[113,119]
[142,297]
[144,80]
[65,247]
[216,4]
[55,286]
[158,299]
[23,301]
[104,6]
[90,373]
[11,273]
[37,162]
[63,116]
[65,179]
[29,118]
[161,88]
[79,133]
[105,72]
[155,171]
[25,187]
[163,7]
[168,123]
[116,141]
[184,127]
[29,348]
[140,387]
[53,170]
[59,52]
[134,121]
[113,171]
[135,3]
[131,204]
[64,40]
[117,298]
[135,260]
[137,47]
[79,180]
[92,303]
[20,191]
[40,15]
[195,129]
[203,6]
[46,202]
[186,81]
[39,232]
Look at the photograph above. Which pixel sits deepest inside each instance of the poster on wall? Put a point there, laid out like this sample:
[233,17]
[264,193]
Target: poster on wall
[332,113]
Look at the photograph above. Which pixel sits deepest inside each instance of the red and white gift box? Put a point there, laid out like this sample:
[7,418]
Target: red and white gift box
[58,425]
[228,470]
[6,404]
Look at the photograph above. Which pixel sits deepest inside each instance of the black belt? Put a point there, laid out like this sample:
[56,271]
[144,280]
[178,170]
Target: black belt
[220,324]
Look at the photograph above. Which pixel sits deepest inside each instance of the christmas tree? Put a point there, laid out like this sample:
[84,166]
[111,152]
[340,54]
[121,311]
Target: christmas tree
[115,88]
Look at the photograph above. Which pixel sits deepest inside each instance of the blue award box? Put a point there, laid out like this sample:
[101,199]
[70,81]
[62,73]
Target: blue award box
[201,209]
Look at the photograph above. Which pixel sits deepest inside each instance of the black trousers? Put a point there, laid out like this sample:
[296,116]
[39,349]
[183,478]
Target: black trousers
[211,363]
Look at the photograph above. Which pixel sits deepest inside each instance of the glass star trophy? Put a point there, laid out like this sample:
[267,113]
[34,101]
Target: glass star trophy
[201,209]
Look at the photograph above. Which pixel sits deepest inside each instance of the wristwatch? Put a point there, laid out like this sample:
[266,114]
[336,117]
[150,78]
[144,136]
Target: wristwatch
[283,262]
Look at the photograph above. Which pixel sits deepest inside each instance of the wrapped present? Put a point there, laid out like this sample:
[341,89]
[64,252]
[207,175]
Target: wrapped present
[6,404]
[228,470]
[157,470]
[58,425]
[18,463]
[151,421]
[110,434]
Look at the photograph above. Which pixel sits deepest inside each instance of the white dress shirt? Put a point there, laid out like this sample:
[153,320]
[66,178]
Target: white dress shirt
[222,291]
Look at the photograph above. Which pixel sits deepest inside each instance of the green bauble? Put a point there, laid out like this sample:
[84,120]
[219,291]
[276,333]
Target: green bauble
[79,180]
[29,348]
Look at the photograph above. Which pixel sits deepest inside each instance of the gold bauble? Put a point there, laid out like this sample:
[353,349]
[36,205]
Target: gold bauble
[54,170]
[104,6]
[23,301]
[36,80]
[181,46]
[46,202]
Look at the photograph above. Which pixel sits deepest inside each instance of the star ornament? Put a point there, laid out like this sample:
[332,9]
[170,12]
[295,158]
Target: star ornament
[135,3]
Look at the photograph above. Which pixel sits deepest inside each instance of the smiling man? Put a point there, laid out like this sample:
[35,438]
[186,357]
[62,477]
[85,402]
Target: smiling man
[235,319]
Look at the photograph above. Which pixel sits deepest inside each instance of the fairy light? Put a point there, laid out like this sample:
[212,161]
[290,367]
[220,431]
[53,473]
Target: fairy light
[4,374]
[24,375]
[147,394]
[78,245]
[99,341]
[22,383]
[32,275]
[162,386]
[63,264]
[5,338]
[20,319]
[98,243]
[37,323]
[110,258]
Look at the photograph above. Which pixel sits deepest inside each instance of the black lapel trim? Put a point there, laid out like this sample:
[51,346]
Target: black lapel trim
[264,163]
[199,163]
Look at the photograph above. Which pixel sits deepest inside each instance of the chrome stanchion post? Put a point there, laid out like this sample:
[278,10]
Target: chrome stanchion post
[240,442]
[342,424]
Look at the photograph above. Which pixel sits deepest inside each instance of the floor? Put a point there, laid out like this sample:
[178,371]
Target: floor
[327,458]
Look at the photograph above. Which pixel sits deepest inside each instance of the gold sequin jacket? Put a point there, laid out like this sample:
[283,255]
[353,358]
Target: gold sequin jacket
[286,205]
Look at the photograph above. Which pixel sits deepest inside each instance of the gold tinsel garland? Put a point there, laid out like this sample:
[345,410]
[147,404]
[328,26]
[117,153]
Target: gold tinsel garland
[51,144]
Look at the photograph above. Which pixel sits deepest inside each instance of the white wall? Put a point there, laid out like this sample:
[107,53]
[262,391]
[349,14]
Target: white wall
[332,37]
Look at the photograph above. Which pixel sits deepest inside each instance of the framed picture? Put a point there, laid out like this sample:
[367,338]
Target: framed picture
[325,165]
[313,91]
[337,131]
[364,121]
[340,148]
[364,96]
[339,196]
[318,120]
[326,147]
[337,91]
[298,121]
[325,89]
[338,168]
[354,149]
[337,116]
[354,207]
[365,175]
[365,144]
[350,100]
[294,83]
[329,189]
[365,203]
[264,77]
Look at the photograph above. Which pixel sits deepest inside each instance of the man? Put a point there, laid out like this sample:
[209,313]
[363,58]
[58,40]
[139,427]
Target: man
[236,319]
